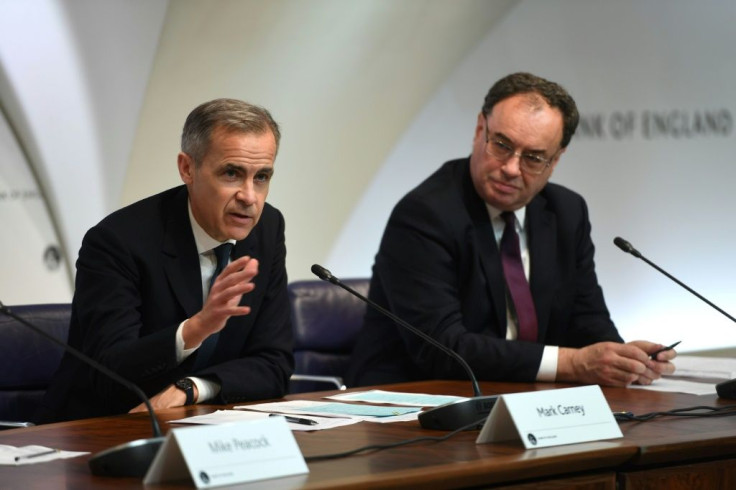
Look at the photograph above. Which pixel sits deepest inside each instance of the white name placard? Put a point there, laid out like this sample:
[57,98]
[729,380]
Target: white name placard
[551,418]
[227,454]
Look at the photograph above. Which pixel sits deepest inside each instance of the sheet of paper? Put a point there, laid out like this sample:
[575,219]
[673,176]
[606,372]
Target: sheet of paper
[674,385]
[331,409]
[16,456]
[227,416]
[396,398]
[716,369]
[696,375]
[407,417]
[221,417]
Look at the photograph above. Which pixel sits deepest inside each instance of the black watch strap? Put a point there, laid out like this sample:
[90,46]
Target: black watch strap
[187,386]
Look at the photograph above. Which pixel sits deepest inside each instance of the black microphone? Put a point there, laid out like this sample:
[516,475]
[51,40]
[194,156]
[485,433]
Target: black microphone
[129,459]
[450,416]
[725,389]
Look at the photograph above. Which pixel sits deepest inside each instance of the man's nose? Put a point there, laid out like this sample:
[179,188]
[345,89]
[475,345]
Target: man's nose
[512,165]
[246,194]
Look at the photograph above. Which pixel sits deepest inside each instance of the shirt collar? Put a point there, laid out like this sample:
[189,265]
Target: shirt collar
[496,213]
[204,242]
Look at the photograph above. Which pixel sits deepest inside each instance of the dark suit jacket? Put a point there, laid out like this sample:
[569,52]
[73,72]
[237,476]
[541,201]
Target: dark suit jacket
[439,269]
[138,277]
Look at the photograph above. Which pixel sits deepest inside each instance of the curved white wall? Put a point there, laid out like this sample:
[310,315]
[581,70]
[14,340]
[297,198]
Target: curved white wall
[74,76]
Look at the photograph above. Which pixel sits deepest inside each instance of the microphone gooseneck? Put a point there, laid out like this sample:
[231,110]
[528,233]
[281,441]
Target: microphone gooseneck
[452,415]
[726,389]
[627,247]
[129,459]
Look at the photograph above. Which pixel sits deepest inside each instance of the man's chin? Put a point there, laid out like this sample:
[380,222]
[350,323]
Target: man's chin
[239,232]
[503,204]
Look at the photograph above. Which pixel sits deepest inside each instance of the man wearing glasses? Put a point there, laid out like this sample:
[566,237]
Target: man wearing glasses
[496,263]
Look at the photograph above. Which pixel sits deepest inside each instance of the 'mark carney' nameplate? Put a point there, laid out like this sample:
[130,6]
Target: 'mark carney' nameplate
[227,454]
[551,418]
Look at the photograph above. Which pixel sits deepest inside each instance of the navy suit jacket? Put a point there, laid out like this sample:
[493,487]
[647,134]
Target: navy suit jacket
[138,277]
[439,269]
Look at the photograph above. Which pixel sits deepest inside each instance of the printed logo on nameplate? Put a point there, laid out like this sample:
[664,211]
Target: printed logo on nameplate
[227,454]
[551,418]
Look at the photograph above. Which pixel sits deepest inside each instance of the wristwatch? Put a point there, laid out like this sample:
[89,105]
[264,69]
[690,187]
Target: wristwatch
[187,386]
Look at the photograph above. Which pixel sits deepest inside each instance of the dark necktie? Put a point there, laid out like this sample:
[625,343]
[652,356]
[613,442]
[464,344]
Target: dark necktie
[222,253]
[518,287]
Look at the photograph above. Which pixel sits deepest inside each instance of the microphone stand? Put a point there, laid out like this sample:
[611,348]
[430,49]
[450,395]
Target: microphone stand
[450,416]
[725,389]
[629,248]
[128,459]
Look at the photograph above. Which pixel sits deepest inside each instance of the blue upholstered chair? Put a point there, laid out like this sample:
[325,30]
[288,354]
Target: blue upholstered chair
[326,321]
[27,360]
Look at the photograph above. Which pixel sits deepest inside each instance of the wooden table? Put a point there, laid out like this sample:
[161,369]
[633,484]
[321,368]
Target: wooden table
[663,453]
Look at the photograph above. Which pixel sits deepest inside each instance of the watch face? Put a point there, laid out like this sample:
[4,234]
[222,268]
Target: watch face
[187,386]
[184,384]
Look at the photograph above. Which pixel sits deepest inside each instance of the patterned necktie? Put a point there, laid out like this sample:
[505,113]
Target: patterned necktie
[222,253]
[518,287]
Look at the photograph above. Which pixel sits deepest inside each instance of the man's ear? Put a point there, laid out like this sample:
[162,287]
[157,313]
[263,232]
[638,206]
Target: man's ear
[480,126]
[186,167]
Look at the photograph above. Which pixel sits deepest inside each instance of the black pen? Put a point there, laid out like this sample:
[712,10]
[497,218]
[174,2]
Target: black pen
[669,347]
[35,455]
[295,420]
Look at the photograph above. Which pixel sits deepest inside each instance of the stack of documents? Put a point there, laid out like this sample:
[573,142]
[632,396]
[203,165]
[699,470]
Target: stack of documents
[318,415]
[695,375]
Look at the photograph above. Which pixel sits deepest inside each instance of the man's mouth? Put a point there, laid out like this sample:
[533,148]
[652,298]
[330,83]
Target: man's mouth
[241,217]
[504,187]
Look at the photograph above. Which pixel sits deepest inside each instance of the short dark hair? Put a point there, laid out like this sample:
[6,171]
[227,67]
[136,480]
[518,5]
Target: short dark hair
[551,92]
[231,114]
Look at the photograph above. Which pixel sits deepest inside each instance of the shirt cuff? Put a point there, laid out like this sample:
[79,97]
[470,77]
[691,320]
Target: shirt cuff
[181,352]
[206,389]
[548,366]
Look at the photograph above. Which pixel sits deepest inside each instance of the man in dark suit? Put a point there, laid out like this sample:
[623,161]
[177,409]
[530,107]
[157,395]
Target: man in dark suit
[443,267]
[143,304]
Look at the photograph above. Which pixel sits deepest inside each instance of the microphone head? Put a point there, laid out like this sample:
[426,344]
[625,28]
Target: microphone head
[626,246]
[321,272]
[622,244]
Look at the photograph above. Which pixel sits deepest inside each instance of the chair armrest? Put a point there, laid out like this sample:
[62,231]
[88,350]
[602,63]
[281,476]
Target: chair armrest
[335,380]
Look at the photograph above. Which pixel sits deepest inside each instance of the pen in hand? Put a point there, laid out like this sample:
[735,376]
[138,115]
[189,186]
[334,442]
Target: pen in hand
[295,420]
[35,455]
[654,355]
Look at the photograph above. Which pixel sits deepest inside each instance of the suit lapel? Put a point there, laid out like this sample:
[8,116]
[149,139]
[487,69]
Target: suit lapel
[491,263]
[180,257]
[542,237]
[481,233]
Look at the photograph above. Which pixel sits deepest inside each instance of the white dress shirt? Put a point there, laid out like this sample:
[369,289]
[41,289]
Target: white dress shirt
[548,367]
[207,263]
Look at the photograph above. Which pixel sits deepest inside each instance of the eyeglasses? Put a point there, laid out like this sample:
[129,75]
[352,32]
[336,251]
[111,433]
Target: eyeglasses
[530,163]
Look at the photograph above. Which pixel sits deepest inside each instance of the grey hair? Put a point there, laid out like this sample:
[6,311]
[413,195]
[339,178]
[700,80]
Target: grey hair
[231,114]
